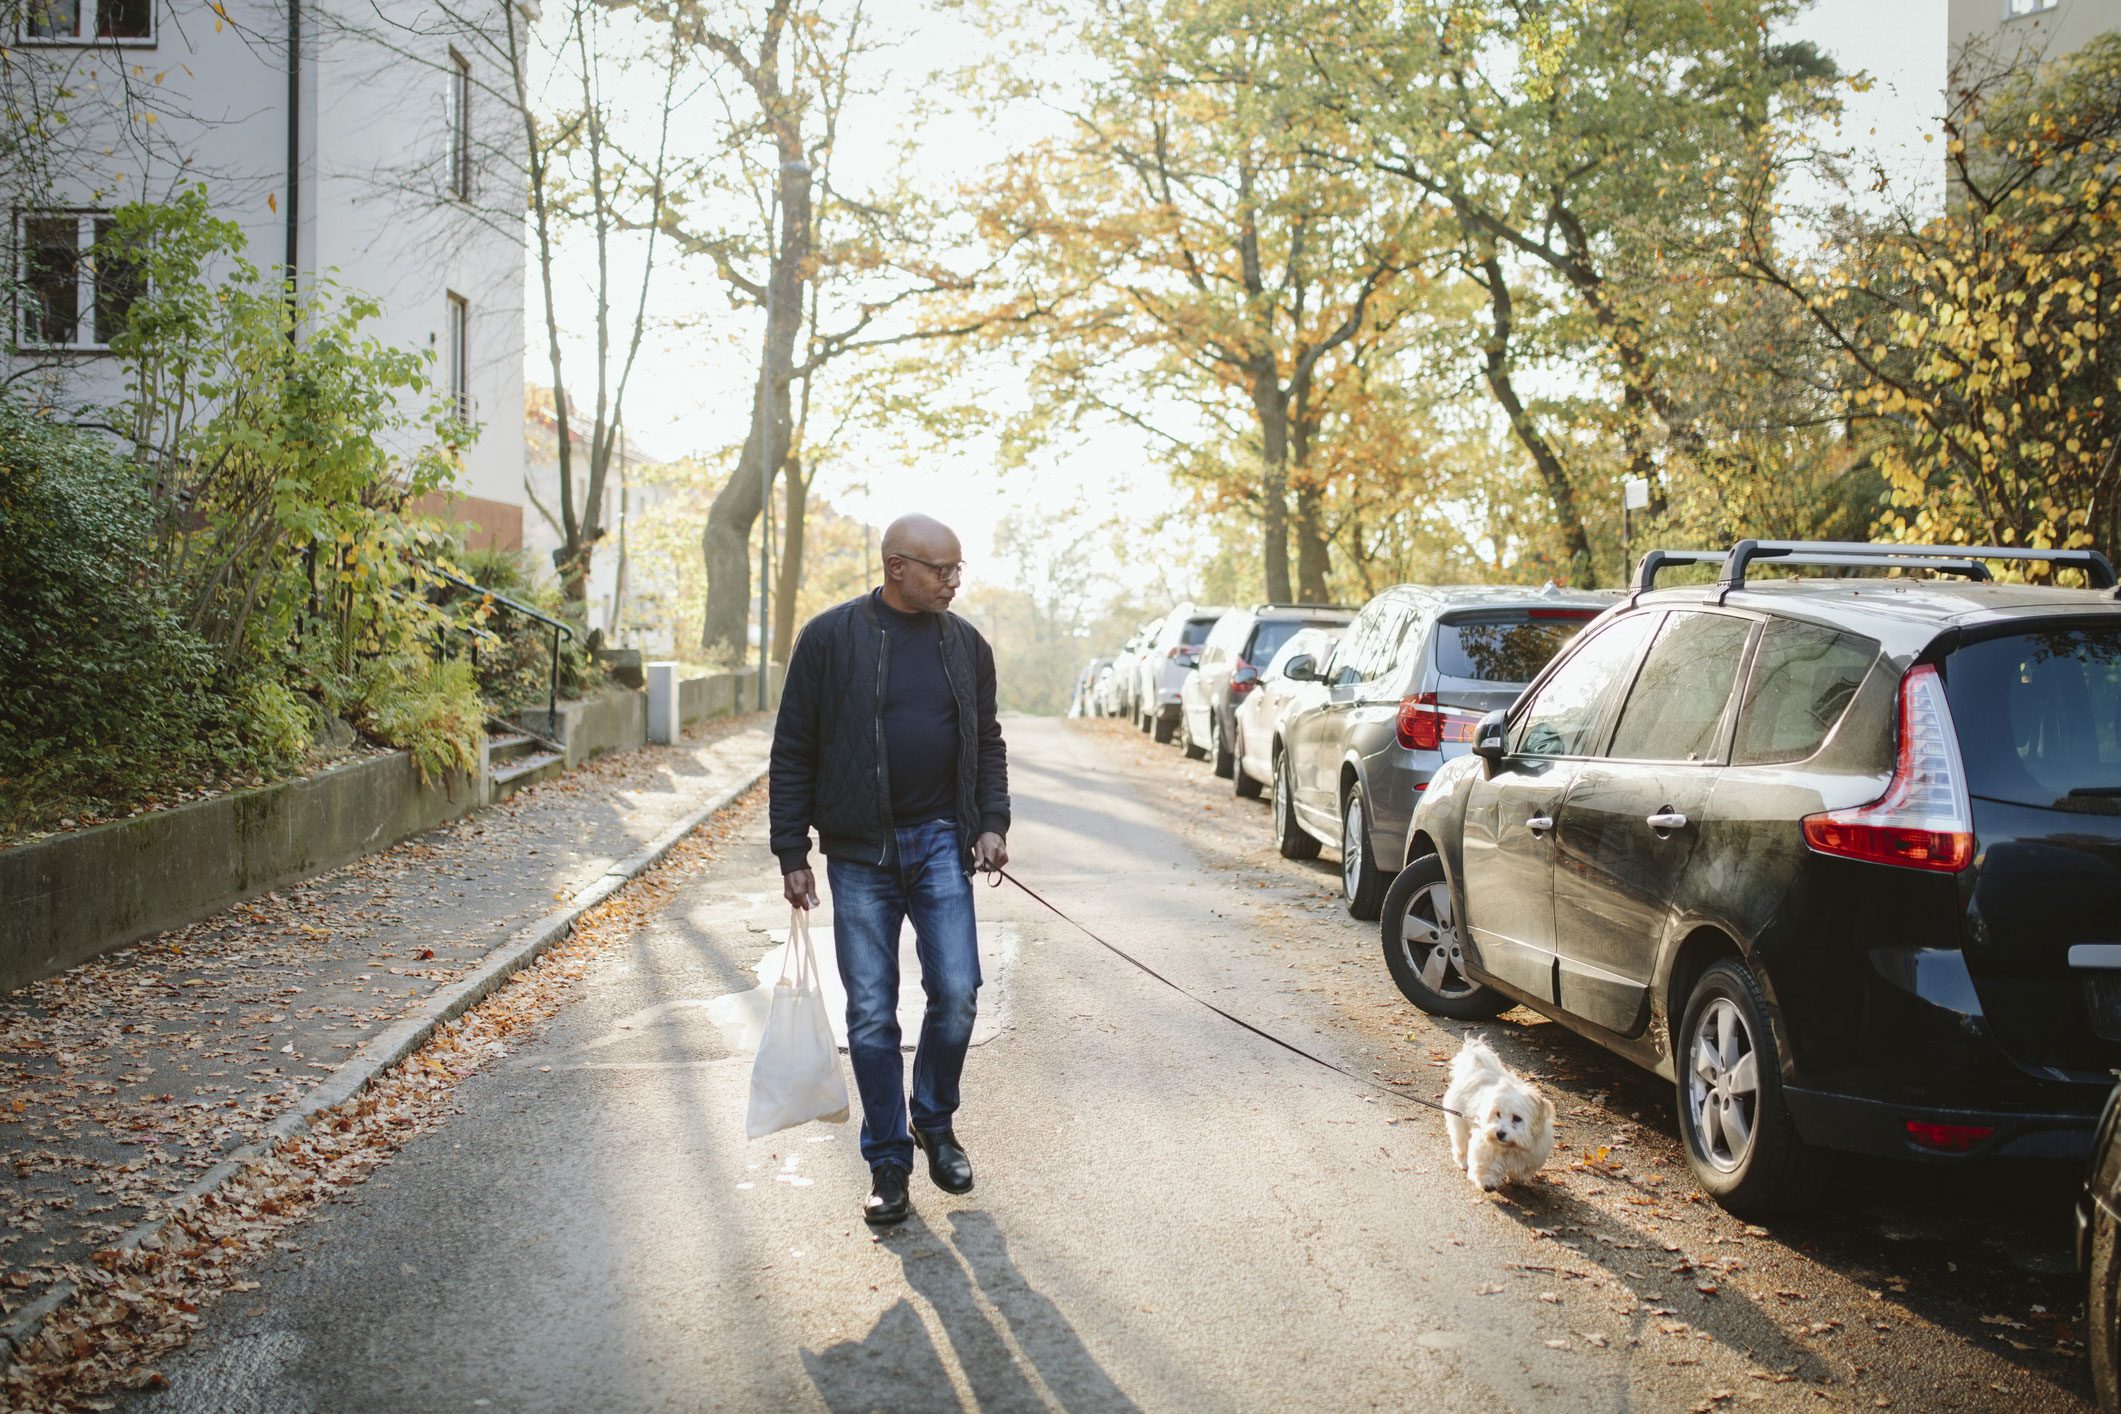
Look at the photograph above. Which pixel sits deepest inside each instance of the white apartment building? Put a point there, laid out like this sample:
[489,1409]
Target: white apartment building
[372,143]
[2005,29]
[614,606]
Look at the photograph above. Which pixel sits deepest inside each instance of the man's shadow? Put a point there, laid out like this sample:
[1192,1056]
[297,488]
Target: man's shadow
[897,1366]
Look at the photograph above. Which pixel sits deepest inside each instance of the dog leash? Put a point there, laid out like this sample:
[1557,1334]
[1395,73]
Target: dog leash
[994,881]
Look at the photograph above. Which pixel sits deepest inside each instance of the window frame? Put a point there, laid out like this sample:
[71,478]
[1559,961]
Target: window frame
[459,111]
[1726,725]
[457,346]
[1752,670]
[87,279]
[90,14]
[2040,7]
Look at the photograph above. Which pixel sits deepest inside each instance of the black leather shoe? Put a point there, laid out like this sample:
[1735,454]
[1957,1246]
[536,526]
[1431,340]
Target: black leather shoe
[947,1163]
[887,1196]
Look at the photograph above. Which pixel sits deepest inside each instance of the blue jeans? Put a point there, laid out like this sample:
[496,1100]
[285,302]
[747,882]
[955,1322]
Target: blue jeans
[926,882]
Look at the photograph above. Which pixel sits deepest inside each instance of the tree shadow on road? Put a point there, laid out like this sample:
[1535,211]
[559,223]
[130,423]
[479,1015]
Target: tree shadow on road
[1039,1364]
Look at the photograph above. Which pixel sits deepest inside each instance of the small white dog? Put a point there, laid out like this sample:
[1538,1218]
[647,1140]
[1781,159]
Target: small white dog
[1504,1128]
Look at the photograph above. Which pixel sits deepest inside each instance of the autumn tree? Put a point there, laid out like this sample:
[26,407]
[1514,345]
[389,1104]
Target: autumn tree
[1979,349]
[1203,273]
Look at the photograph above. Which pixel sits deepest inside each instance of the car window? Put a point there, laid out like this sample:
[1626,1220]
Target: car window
[1195,632]
[2039,716]
[1271,635]
[1804,677]
[1675,710]
[1316,642]
[1507,646]
[1348,654]
[1370,652]
[1565,712]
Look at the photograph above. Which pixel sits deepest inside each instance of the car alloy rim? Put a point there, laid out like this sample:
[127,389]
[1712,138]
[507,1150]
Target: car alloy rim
[1351,846]
[1723,1085]
[1428,940]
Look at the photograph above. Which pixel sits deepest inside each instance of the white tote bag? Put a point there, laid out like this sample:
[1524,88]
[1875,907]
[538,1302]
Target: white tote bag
[797,1077]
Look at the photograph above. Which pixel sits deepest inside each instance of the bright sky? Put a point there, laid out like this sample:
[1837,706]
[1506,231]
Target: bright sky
[693,387]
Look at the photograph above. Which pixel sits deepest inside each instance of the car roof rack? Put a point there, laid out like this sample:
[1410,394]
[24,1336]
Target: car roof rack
[1963,560]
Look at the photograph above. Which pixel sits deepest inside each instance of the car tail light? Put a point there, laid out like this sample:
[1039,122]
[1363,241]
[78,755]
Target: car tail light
[1923,821]
[1423,726]
[1948,1138]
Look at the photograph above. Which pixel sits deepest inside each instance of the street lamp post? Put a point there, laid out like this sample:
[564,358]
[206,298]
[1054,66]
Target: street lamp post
[801,171]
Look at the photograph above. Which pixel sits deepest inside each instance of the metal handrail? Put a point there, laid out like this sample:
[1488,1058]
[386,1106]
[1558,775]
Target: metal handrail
[558,627]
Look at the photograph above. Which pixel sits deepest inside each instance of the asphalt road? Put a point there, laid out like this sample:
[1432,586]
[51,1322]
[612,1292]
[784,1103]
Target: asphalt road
[1170,1213]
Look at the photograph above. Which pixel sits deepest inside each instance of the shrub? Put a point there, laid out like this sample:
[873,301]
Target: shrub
[430,709]
[103,687]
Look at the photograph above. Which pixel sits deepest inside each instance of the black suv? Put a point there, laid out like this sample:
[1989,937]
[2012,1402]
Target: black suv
[1840,857]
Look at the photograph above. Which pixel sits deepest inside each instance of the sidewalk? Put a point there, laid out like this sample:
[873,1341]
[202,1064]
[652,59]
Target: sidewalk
[126,1078]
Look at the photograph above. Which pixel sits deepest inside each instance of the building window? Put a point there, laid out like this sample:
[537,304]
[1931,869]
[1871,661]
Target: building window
[458,356]
[75,284]
[80,21]
[459,126]
[2019,9]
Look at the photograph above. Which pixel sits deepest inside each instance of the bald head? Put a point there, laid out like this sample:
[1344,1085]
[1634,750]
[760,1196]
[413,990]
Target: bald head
[913,547]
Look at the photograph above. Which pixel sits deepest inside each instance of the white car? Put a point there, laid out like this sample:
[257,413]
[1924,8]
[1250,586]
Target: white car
[1124,684]
[1169,656]
[1252,739]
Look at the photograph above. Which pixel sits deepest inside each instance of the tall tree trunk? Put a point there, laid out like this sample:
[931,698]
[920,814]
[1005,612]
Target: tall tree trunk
[1497,371]
[1312,557]
[725,543]
[1271,404]
[795,492]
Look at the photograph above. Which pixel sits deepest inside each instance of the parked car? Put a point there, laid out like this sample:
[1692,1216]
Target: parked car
[1166,660]
[1083,701]
[1840,858]
[2098,1260]
[1126,673]
[1399,697]
[1242,638]
[1258,723]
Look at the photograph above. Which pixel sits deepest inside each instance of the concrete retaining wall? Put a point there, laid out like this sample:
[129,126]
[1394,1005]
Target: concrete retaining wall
[65,899]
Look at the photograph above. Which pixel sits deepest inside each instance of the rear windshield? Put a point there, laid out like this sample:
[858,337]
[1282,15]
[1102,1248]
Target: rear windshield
[1272,634]
[1196,632]
[2039,716]
[1507,647]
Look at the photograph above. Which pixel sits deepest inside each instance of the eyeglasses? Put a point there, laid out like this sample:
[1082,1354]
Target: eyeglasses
[950,574]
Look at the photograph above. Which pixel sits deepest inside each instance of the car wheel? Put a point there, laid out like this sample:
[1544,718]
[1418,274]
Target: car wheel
[1245,787]
[1225,762]
[1162,729]
[1361,886]
[1193,749]
[1739,1136]
[1141,719]
[1425,949]
[1289,837]
[2102,1297]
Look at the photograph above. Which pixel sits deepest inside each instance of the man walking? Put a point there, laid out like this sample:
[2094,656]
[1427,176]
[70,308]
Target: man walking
[887,745]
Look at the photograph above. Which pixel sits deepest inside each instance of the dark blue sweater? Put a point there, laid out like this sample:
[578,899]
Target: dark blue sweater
[920,719]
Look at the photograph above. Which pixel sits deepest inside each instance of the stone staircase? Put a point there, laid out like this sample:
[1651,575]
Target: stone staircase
[517,759]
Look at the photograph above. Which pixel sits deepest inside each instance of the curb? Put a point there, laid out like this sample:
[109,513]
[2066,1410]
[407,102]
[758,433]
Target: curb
[381,1053]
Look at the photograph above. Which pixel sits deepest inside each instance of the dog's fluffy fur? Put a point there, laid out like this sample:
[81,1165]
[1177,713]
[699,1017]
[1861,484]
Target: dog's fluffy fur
[1504,1128]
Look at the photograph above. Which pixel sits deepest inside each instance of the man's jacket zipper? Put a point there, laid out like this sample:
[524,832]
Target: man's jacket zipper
[883,786]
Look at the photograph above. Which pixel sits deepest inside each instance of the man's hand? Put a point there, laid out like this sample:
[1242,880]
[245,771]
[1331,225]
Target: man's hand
[990,852]
[800,888]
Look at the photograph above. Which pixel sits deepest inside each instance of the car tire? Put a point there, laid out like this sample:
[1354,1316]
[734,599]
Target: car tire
[1243,785]
[1225,761]
[1424,946]
[1193,749]
[1141,719]
[1362,887]
[1737,1131]
[1161,729]
[1289,836]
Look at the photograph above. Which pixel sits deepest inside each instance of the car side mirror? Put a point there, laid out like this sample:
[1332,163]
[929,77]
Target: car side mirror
[1189,663]
[1244,677]
[1490,735]
[1302,668]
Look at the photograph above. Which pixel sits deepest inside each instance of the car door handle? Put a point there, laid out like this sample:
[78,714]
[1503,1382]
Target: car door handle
[1667,820]
[1540,824]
